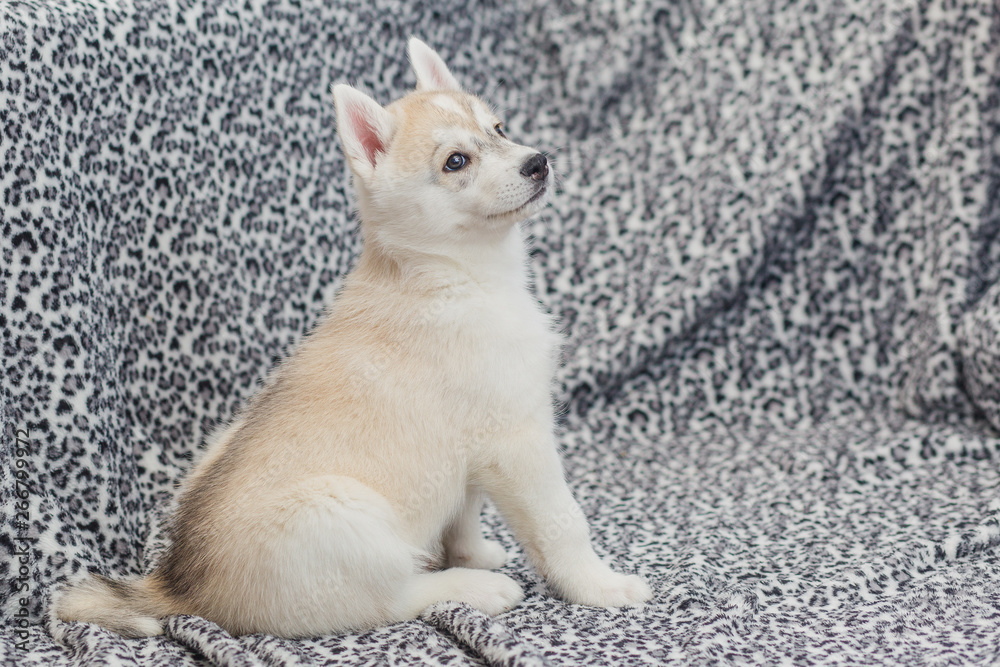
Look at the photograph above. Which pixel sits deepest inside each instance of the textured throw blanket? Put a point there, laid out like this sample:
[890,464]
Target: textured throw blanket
[775,251]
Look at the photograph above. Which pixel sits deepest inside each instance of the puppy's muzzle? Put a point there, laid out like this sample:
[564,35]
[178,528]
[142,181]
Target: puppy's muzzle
[535,167]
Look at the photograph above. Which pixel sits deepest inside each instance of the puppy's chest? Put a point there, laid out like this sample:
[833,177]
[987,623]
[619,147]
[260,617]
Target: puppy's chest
[504,348]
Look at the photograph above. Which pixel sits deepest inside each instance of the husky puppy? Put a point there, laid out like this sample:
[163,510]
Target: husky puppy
[347,494]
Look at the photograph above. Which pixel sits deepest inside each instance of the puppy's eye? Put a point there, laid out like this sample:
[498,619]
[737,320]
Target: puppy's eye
[455,162]
[499,128]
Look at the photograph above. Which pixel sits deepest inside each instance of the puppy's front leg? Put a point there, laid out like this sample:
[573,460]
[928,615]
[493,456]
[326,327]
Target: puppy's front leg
[526,482]
[464,544]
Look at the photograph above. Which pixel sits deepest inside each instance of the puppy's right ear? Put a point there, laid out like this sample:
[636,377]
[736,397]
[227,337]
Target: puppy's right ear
[432,73]
[365,129]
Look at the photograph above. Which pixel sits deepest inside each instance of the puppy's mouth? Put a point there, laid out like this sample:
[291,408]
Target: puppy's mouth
[535,197]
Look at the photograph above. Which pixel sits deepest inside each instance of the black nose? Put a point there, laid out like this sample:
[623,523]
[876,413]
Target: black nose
[536,168]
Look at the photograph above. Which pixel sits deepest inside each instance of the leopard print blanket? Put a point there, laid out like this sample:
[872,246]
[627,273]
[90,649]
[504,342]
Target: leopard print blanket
[775,251]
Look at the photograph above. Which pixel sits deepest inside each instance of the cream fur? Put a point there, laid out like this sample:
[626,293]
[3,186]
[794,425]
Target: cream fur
[425,389]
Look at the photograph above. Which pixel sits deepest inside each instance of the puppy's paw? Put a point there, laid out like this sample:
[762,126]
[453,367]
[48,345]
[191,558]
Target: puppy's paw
[481,555]
[607,589]
[490,592]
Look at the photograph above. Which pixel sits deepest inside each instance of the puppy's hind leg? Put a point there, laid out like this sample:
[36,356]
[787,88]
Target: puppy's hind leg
[337,563]
[489,592]
[329,558]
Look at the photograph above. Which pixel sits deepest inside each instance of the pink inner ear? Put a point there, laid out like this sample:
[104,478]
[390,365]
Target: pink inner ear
[440,80]
[370,142]
[438,77]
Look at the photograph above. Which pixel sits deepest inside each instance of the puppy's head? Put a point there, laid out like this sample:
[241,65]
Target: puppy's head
[435,169]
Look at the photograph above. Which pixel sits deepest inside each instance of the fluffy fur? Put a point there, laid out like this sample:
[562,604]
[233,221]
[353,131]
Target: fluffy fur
[348,493]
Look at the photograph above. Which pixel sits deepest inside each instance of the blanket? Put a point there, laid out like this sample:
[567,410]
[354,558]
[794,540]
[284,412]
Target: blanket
[774,252]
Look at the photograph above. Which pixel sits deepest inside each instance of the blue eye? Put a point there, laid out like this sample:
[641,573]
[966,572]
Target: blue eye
[499,128]
[455,162]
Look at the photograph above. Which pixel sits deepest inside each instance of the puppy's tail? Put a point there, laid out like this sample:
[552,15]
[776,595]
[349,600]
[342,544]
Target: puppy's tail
[130,608]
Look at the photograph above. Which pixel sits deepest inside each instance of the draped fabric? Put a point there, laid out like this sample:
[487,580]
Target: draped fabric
[774,252]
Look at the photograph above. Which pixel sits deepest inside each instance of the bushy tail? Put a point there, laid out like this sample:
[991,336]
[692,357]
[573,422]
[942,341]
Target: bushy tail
[130,608]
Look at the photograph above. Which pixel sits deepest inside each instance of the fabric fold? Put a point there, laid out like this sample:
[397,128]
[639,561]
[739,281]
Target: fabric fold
[486,636]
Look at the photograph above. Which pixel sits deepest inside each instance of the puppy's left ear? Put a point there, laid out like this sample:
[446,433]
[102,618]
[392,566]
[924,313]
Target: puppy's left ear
[432,73]
[365,129]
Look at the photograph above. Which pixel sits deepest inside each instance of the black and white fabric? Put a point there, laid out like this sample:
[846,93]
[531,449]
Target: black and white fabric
[775,251]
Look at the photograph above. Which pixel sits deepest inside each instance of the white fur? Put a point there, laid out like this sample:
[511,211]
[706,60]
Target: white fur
[432,73]
[426,388]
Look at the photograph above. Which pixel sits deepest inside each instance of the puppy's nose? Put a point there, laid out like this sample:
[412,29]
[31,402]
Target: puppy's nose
[536,167]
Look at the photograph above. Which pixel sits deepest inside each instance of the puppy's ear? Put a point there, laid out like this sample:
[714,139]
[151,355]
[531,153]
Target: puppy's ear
[365,128]
[432,73]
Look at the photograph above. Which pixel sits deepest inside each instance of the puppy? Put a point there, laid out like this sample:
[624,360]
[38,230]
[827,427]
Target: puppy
[347,494]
